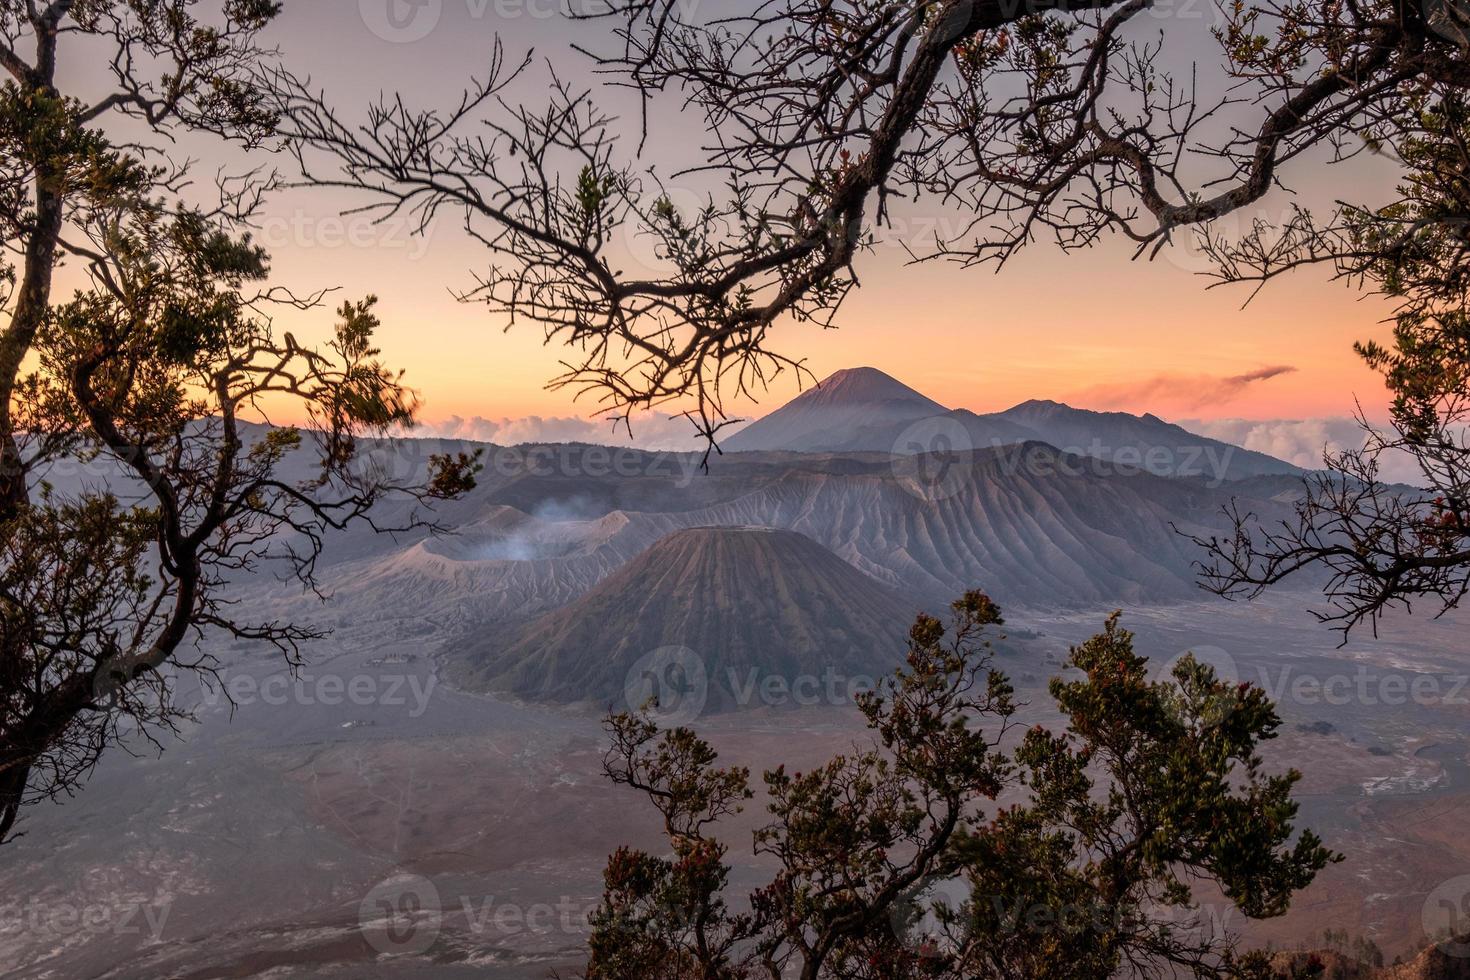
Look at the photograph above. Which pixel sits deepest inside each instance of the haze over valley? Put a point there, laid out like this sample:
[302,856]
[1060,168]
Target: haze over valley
[717,490]
[448,732]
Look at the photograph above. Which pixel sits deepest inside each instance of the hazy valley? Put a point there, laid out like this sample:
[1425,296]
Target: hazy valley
[447,736]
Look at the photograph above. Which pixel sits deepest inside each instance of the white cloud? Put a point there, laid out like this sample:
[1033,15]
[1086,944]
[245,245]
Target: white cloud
[1303,441]
[655,431]
[1298,441]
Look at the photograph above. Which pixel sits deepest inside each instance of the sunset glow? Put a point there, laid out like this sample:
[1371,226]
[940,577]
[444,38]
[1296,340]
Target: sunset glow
[1096,328]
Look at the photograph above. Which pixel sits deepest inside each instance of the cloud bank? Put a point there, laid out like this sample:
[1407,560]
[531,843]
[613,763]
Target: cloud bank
[1303,441]
[657,432]
[1298,441]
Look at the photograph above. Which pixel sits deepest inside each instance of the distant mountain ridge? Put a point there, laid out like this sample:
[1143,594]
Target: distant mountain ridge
[865,410]
[1143,440]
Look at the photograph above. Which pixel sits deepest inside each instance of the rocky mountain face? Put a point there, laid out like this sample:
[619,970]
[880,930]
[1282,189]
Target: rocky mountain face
[829,417]
[865,410]
[568,561]
[740,604]
[1442,961]
[1032,526]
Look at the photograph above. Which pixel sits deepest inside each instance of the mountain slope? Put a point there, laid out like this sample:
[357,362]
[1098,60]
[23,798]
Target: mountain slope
[1030,525]
[1146,441]
[743,600]
[865,410]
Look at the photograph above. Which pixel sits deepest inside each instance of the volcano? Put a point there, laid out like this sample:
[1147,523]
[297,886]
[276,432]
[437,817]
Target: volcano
[828,417]
[748,603]
[863,410]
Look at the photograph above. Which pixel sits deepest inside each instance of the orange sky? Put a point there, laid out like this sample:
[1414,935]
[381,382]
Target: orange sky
[1095,328]
[1076,328]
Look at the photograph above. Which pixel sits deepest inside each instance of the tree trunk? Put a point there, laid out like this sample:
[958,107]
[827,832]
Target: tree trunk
[32,304]
[12,790]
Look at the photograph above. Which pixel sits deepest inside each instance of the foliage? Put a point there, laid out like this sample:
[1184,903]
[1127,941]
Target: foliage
[132,488]
[1382,545]
[1081,853]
